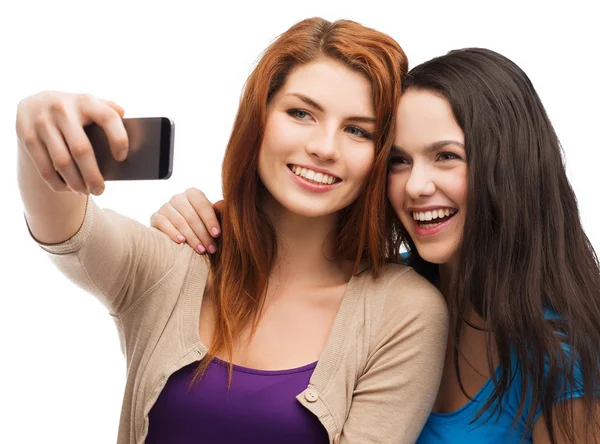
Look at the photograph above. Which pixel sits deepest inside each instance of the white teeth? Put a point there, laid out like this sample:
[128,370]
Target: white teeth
[325,179]
[433,214]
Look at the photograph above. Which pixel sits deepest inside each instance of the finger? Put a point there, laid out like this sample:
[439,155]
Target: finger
[180,222]
[110,121]
[118,108]
[204,208]
[83,153]
[182,204]
[30,141]
[61,157]
[42,161]
[219,207]
[163,224]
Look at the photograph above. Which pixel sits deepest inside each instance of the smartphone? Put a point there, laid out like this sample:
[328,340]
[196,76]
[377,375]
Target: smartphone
[150,155]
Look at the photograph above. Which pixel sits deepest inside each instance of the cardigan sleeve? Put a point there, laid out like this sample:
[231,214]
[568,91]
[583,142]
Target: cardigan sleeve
[395,394]
[115,258]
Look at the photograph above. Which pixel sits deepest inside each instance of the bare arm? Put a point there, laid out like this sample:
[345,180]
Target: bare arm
[52,141]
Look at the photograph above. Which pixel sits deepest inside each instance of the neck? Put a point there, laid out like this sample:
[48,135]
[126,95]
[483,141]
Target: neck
[305,248]
[471,317]
[446,272]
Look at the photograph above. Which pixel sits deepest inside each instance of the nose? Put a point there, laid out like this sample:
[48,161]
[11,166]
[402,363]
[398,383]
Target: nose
[420,183]
[323,144]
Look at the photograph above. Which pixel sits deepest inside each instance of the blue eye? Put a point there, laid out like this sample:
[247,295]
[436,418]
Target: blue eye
[299,114]
[356,131]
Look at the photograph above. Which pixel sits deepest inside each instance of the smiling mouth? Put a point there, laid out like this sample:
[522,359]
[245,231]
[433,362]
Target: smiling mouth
[313,176]
[433,218]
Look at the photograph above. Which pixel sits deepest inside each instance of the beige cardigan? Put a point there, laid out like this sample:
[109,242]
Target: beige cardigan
[375,381]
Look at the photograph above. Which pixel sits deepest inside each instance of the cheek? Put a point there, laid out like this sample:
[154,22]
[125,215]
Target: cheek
[457,186]
[279,135]
[269,138]
[274,144]
[395,190]
[463,190]
[262,161]
[360,163]
[456,189]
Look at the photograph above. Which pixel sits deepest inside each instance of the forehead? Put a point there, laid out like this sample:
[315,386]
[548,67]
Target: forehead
[424,117]
[331,84]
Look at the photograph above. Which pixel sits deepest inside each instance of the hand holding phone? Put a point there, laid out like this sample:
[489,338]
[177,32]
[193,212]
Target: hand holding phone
[50,129]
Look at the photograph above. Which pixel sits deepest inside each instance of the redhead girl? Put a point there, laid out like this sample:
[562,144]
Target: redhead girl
[296,330]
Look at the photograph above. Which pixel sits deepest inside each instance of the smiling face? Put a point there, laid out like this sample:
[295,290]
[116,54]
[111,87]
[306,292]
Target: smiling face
[427,182]
[317,150]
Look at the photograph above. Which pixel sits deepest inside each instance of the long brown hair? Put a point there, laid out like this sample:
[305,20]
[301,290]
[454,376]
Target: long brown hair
[241,268]
[526,265]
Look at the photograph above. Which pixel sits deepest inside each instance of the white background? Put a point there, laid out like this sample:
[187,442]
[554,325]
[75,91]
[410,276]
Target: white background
[61,368]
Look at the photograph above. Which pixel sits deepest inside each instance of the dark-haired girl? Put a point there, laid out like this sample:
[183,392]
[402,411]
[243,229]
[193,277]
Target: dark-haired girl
[486,212]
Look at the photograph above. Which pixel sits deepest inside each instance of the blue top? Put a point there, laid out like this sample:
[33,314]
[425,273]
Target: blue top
[259,407]
[456,427]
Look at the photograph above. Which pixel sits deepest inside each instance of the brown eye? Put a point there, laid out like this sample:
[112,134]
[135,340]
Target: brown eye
[447,156]
[398,160]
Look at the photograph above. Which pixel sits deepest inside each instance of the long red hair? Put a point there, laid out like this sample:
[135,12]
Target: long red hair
[241,268]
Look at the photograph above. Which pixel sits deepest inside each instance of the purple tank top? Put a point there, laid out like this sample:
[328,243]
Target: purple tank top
[260,407]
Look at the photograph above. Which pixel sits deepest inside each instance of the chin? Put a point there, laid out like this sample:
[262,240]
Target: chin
[436,254]
[307,208]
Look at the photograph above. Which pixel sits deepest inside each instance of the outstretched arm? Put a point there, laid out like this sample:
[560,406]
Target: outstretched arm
[57,167]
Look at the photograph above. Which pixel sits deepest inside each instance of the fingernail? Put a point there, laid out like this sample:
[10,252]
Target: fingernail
[215,231]
[200,248]
[98,191]
[180,238]
[212,249]
[122,156]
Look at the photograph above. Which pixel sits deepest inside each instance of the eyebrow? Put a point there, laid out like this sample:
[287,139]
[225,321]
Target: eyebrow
[311,102]
[431,147]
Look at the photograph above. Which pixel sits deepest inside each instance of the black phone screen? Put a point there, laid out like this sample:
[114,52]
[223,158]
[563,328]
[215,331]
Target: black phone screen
[150,155]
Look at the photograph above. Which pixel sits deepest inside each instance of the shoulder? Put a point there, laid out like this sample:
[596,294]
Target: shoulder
[402,287]
[406,298]
[414,299]
[561,372]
